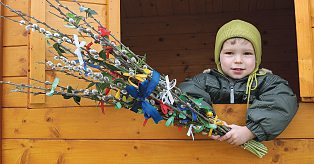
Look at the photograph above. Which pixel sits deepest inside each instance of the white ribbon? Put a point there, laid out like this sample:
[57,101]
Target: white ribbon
[78,50]
[166,96]
[190,131]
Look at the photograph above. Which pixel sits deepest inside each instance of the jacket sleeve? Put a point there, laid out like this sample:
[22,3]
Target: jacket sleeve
[196,87]
[273,110]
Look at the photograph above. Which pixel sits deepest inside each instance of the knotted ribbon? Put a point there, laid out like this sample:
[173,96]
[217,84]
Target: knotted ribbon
[78,50]
[164,108]
[166,95]
[103,31]
[144,90]
[139,77]
[190,131]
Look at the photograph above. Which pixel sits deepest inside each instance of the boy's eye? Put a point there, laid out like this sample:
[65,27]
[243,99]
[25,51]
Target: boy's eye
[228,53]
[248,53]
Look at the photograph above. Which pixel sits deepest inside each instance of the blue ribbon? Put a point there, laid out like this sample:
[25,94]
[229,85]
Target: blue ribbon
[194,116]
[145,89]
[91,65]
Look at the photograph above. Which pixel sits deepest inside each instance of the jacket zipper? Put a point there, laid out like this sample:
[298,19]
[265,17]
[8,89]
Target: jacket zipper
[231,93]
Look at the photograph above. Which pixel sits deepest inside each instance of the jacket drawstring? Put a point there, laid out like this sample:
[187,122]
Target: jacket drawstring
[252,78]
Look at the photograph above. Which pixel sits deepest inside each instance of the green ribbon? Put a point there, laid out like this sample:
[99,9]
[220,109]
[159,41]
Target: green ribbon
[53,87]
[118,105]
[170,121]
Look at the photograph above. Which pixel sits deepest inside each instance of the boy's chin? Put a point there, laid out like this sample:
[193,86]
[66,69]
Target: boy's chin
[236,76]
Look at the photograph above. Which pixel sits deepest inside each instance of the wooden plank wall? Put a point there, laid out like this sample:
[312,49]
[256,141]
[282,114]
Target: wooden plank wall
[1,71]
[85,135]
[178,36]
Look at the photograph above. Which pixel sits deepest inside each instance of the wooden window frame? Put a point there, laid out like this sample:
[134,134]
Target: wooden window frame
[305,49]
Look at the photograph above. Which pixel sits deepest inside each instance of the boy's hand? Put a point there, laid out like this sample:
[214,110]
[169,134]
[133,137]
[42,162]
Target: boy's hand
[238,135]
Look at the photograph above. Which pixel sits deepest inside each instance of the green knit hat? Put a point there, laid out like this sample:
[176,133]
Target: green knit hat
[239,29]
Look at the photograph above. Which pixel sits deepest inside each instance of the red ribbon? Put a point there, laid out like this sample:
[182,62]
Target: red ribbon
[164,108]
[145,122]
[108,51]
[103,31]
[107,91]
[88,46]
[102,106]
[179,128]
[114,75]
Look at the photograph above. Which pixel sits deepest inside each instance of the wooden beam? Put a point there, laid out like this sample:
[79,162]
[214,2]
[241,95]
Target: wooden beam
[113,18]
[1,72]
[305,47]
[37,46]
[287,151]
[89,122]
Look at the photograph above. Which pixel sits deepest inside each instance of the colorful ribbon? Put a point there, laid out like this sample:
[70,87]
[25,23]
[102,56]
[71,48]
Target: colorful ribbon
[190,131]
[139,77]
[144,90]
[194,115]
[108,50]
[102,106]
[211,129]
[88,45]
[164,108]
[103,31]
[78,50]
[53,86]
[90,65]
[166,95]
[170,120]
[118,94]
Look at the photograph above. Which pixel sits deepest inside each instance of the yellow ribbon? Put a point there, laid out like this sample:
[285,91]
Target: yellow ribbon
[139,77]
[117,96]
[211,130]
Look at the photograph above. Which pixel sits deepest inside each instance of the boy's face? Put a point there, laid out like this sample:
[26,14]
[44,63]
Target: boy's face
[237,58]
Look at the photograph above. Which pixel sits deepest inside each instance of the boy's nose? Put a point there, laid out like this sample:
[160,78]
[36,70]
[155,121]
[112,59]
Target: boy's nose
[238,58]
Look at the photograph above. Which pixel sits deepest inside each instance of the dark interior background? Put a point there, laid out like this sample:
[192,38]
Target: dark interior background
[178,35]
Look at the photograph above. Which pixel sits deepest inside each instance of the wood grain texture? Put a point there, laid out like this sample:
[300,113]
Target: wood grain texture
[37,49]
[13,99]
[1,71]
[22,5]
[15,61]
[305,47]
[15,35]
[151,151]
[102,2]
[113,21]
[90,123]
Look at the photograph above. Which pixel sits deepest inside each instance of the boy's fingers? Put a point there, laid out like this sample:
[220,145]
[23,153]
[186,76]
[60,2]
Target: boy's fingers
[225,137]
[214,137]
[232,126]
[230,140]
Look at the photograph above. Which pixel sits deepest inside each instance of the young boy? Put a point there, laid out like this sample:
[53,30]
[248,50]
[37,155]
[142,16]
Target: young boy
[238,79]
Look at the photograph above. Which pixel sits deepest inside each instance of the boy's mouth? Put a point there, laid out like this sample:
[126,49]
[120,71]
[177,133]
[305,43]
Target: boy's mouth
[237,69]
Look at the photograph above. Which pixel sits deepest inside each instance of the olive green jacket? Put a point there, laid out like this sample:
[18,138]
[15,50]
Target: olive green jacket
[273,103]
